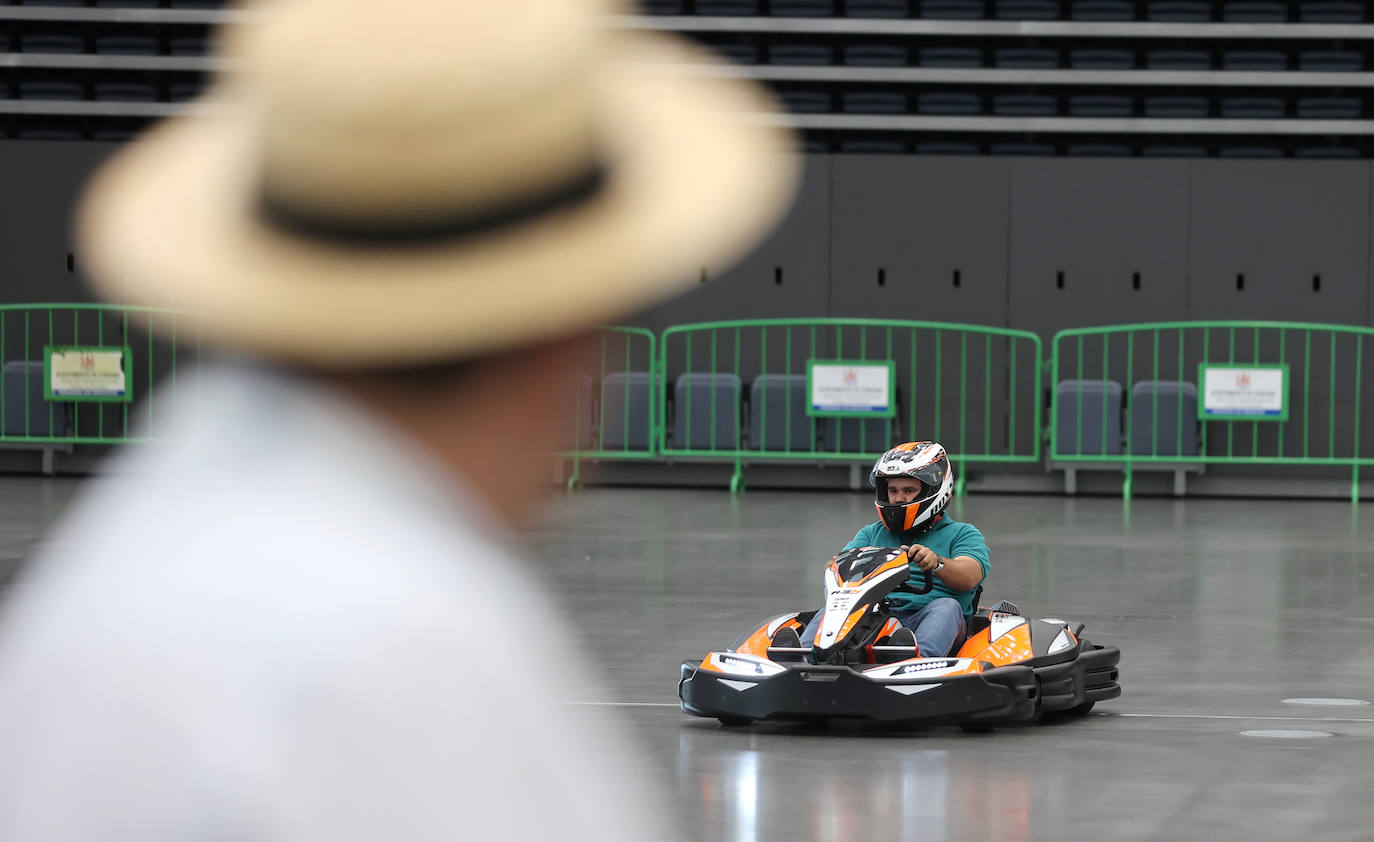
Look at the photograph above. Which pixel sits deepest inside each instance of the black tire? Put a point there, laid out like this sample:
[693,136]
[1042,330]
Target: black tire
[977,727]
[1083,709]
[733,721]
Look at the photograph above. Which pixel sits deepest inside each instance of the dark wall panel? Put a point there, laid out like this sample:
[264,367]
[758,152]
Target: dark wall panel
[920,238]
[1280,240]
[1097,242]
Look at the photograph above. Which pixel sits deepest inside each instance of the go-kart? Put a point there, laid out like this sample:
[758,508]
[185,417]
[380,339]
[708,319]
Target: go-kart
[1008,668]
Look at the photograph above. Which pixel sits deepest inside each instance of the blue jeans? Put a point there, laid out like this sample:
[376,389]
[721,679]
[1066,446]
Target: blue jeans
[938,625]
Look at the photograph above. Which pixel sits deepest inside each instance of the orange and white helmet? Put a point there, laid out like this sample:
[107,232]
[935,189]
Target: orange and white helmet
[925,462]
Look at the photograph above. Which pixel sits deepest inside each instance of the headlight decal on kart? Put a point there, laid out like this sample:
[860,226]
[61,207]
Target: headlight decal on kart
[741,665]
[1062,642]
[921,667]
[1003,623]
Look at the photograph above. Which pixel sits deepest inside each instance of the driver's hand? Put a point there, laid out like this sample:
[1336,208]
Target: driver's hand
[923,557]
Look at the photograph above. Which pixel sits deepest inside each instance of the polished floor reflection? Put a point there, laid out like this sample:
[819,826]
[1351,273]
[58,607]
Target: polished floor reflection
[1222,609]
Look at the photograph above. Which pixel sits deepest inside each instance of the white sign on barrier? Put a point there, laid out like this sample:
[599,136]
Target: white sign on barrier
[1243,392]
[850,388]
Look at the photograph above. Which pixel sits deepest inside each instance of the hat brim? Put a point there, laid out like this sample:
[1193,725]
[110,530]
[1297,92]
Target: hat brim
[172,221]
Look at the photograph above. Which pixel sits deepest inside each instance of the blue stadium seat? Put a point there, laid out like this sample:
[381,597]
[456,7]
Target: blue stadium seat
[949,57]
[127,45]
[952,9]
[869,146]
[1025,105]
[1164,418]
[802,8]
[1026,10]
[1178,11]
[873,102]
[949,102]
[1100,105]
[52,90]
[1087,417]
[1328,12]
[801,54]
[806,102]
[1255,12]
[1269,60]
[777,414]
[706,411]
[1097,150]
[188,45]
[863,435]
[1167,151]
[51,42]
[27,413]
[738,53]
[1330,108]
[1106,10]
[1178,60]
[1331,61]
[625,409]
[1023,150]
[1096,58]
[1177,106]
[721,8]
[1252,107]
[877,8]
[876,55]
[1028,58]
[123,92]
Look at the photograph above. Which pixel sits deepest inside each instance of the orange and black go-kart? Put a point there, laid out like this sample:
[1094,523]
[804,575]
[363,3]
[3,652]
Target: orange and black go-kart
[1008,668]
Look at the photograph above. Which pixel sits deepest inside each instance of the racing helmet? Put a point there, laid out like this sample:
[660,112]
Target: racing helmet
[925,462]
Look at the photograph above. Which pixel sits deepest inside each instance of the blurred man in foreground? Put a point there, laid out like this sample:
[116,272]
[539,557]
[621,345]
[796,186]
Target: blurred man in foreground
[398,219]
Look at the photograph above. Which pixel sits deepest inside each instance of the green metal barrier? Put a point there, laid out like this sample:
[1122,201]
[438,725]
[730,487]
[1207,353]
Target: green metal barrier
[148,409]
[976,389]
[617,404]
[1325,389]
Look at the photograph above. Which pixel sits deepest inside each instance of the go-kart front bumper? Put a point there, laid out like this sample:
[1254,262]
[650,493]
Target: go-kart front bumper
[809,691]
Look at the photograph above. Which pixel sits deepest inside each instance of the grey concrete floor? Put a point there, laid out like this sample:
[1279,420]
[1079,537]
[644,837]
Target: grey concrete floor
[1222,610]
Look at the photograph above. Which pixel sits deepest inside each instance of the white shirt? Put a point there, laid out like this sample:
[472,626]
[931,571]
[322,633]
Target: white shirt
[285,626]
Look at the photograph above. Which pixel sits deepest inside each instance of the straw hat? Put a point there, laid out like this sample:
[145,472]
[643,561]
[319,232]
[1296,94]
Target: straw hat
[400,182]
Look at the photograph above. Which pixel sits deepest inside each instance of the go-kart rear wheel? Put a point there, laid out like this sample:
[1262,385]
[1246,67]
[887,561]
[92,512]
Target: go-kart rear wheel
[733,721]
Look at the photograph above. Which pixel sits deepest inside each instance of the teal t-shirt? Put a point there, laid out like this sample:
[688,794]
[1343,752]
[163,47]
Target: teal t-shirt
[948,538]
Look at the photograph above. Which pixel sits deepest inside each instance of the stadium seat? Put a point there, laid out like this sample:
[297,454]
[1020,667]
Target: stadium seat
[1178,11]
[51,90]
[123,92]
[1164,418]
[1026,9]
[802,8]
[114,135]
[876,55]
[51,42]
[1154,151]
[625,409]
[738,53]
[1097,150]
[1327,12]
[949,57]
[866,146]
[1177,106]
[127,45]
[806,102]
[188,45]
[1331,61]
[952,9]
[127,4]
[721,8]
[863,435]
[42,133]
[1252,107]
[1028,58]
[50,2]
[1100,105]
[777,414]
[947,147]
[1178,60]
[706,411]
[815,145]
[801,54]
[1254,60]
[877,8]
[1265,152]
[1037,150]
[873,102]
[1343,153]
[949,102]
[1105,10]
[1330,108]
[1024,105]
[1087,417]
[1253,12]
[27,413]
[1095,58]
[183,92]
[664,7]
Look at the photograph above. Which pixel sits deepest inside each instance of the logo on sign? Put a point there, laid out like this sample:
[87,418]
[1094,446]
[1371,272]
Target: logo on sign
[88,360]
[1243,378]
[850,377]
